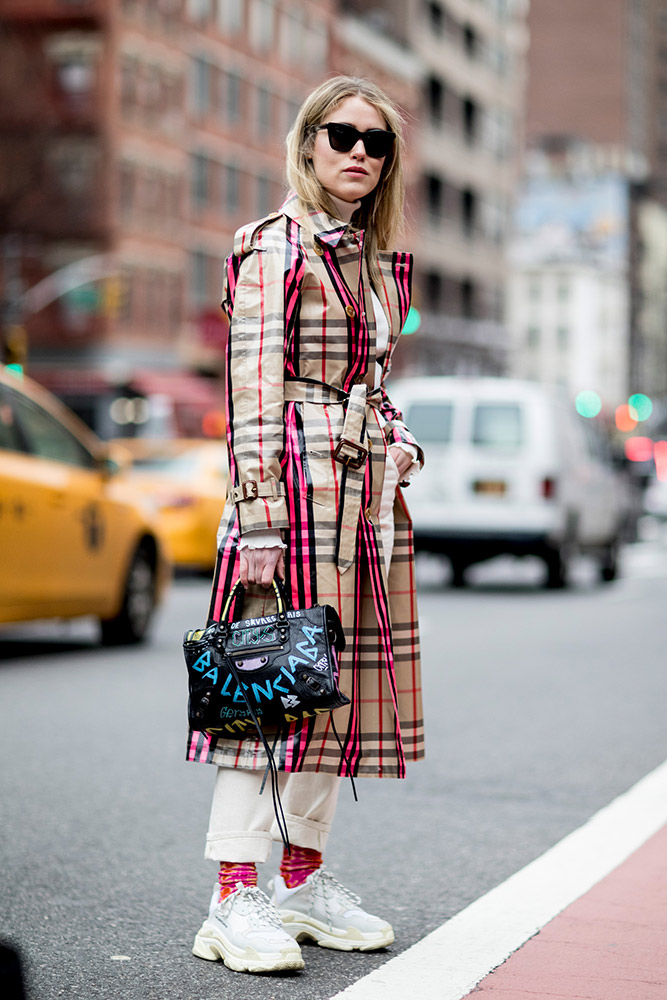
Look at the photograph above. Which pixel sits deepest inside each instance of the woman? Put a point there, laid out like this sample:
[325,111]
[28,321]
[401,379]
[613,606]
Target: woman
[317,300]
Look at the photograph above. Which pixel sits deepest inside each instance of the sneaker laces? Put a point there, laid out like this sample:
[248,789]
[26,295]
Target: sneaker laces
[261,910]
[328,888]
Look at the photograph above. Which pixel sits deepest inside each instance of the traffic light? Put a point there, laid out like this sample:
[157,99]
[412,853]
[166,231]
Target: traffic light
[412,321]
[113,297]
[15,348]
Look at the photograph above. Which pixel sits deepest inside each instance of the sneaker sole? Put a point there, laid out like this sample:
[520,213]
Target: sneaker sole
[351,939]
[214,948]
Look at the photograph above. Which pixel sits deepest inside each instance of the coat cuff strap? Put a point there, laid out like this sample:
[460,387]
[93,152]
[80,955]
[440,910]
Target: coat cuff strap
[250,489]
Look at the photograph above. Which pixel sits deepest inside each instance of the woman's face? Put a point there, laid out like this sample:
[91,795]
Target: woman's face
[348,176]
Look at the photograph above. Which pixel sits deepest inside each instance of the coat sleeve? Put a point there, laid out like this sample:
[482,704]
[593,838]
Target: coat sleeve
[254,301]
[395,431]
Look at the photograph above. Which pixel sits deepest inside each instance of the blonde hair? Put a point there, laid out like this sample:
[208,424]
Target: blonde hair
[381,211]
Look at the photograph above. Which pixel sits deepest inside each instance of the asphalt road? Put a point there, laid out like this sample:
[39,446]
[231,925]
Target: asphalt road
[540,708]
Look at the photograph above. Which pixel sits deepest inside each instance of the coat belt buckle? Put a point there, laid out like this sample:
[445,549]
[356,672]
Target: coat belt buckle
[353,462]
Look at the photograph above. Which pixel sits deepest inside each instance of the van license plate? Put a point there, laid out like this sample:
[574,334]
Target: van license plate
[493,487]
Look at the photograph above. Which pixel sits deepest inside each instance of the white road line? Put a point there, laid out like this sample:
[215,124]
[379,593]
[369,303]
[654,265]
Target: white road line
[448,963]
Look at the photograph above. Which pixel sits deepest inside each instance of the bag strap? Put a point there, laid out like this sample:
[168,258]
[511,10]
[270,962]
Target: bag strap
[275,794]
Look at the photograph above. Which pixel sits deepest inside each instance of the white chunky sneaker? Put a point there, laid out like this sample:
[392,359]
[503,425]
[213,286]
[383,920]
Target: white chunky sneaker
[246,932]
[327,912]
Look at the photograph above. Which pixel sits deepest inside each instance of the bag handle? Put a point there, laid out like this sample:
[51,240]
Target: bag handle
[283,603]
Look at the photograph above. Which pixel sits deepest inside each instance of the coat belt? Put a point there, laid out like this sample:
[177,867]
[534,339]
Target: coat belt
[351,451]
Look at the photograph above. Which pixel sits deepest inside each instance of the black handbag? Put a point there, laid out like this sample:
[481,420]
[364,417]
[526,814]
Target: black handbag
[261,673]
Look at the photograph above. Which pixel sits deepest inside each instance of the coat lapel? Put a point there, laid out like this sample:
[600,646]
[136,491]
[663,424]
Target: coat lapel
[396,274]
[340,247]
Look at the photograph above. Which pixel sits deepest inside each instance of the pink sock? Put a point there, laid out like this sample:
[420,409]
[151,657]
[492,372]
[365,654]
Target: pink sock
[230,873]
[297,866]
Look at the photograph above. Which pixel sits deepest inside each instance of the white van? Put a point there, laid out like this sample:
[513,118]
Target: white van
[511,468]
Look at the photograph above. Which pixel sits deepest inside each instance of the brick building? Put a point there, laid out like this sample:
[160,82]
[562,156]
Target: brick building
[590,69]
[151,129]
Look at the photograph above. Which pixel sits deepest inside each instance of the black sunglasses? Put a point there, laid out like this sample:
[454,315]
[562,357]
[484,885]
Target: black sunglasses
[377,141]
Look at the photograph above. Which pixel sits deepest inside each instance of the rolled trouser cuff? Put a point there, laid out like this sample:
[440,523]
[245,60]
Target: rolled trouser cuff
[304,832]
[244,846]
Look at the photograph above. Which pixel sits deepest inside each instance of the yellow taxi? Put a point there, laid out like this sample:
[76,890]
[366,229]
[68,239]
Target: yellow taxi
[187,480]
[75,537]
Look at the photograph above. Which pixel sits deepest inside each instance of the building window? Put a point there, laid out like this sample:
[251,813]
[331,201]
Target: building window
[128,84]
[234,97]
[291,111]
[264,119]
[434,196]
[175,196]
[200,10]
[201,85]
[468,299]
[232,193]
[75,75]
[436,17]
[127,189]
[562,288]
[433,290]
[533,336]
[198,278]
[562,338]
[174,302]
[470,42]
[230,16]
[435,99]
[264,205]
[470,115]
[317,45]
[261,28]
[200,180]
[534,288]
[469,209]
[73,164]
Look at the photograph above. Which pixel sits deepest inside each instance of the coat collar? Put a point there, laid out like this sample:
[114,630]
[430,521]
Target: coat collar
[321,225]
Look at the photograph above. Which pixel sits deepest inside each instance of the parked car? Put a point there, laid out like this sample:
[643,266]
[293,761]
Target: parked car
[76,538]
[187,480]
[510,469]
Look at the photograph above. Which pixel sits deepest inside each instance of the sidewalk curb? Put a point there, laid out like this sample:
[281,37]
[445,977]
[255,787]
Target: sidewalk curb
[450,961]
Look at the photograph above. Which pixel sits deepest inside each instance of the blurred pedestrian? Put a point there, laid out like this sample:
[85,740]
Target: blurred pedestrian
[317,297]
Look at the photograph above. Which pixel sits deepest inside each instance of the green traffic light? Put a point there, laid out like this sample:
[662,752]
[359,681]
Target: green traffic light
[588,404]
[412,322]
[642,405]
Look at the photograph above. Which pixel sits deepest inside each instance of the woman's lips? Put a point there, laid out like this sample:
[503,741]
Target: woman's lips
[355,170]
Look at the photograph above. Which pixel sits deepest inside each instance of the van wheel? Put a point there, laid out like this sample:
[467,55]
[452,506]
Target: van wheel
[132,621]
[609,562]
[556,561]
[458,578]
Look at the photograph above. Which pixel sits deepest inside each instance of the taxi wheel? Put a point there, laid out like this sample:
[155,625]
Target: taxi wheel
[131,624]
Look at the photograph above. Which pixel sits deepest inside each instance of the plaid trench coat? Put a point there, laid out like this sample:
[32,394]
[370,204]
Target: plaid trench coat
[301,367]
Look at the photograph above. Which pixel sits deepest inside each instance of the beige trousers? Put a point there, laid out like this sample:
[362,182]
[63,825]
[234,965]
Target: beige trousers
[242,826]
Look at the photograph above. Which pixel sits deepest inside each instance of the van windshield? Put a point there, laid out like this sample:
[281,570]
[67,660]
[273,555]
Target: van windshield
[497,425]
[431,423]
